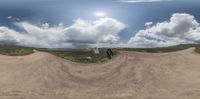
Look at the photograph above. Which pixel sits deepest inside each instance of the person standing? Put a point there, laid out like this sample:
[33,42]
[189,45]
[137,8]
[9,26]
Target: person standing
[111,52]
[108,54]
[96,52]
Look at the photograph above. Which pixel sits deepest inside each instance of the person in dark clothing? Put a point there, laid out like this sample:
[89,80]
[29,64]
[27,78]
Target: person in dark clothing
[111,52]
[108,54]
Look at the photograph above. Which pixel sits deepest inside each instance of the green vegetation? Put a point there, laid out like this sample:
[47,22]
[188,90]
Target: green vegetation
[15,50]
[87,56]
[82,56]
[164,49]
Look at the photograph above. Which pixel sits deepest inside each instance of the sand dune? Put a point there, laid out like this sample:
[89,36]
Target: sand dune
[131,75]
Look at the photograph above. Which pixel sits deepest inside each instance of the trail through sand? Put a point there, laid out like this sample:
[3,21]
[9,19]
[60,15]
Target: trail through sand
[131,75]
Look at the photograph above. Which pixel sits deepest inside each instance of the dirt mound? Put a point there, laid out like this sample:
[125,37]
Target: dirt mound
[130,75]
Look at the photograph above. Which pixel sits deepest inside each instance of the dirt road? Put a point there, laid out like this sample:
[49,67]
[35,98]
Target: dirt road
[131,75]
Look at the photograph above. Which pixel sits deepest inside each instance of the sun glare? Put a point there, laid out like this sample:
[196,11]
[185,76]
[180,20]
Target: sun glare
[100,14]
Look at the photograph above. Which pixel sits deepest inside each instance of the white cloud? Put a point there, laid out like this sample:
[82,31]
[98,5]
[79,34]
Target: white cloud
[182,28]
[135,1]
[82,33]
[9,17]
[13,18]
[148,24]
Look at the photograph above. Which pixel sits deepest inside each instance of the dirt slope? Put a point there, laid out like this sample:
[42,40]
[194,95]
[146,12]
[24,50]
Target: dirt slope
[131,75]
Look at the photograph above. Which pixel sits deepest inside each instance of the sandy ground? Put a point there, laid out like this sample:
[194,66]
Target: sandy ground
[131,75]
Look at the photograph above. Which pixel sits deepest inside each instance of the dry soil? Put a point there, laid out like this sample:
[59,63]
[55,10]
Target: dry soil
[130,75]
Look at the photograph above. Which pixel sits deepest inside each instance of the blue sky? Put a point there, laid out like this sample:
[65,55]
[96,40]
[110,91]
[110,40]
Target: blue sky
[133,15]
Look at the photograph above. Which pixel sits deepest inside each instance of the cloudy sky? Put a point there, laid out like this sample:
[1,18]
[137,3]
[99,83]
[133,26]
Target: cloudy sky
[101,23]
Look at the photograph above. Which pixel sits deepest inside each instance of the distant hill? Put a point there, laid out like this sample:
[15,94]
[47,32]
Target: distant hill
[164,49]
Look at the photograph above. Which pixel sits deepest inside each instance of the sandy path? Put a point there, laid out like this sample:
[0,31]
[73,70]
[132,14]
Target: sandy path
[131,75]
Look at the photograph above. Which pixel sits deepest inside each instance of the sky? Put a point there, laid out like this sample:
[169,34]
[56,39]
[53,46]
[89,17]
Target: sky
[99,23]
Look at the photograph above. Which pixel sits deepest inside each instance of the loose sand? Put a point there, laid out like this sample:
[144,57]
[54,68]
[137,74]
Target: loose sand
[131,75]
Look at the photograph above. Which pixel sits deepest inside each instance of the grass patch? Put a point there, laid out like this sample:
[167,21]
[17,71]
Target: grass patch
[15,50]
[82,56]
[87,56]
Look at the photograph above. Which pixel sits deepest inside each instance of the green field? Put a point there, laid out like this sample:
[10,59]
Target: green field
[87,56]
